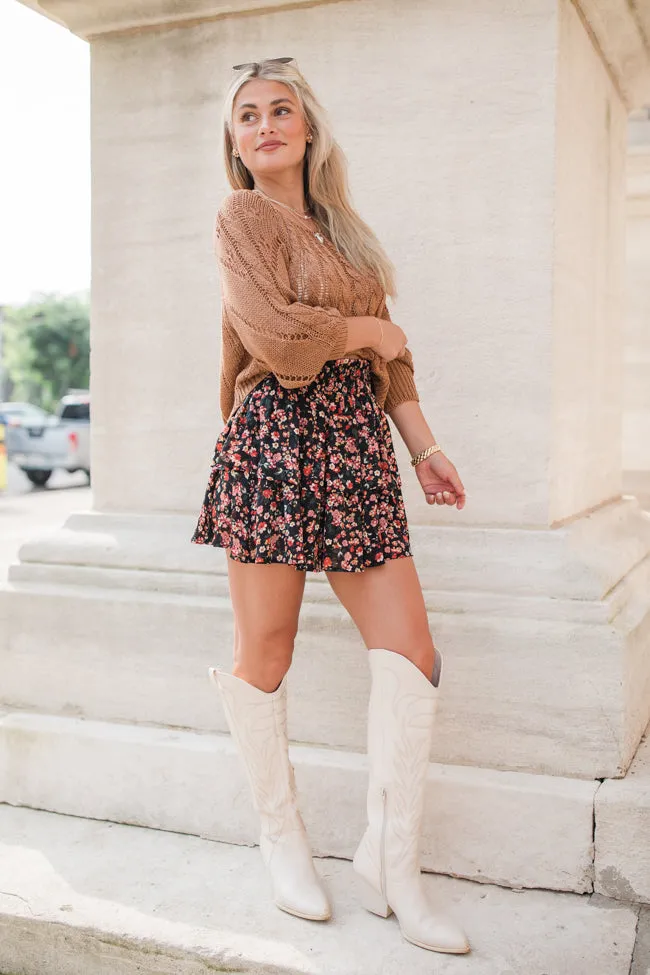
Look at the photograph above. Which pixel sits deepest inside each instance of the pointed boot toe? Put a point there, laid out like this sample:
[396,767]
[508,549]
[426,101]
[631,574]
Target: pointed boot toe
[309,902]
[401,711]
[258,724]
[297,888]
[438,934]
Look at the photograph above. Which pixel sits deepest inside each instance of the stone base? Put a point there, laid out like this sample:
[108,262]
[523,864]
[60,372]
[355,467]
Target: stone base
[87,898]
[545,636]
[623,833]
[507,828]
[108,626]
[637,483]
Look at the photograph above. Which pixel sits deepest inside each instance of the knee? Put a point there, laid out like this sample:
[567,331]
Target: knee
[266,675]
[422,654]
[263,656]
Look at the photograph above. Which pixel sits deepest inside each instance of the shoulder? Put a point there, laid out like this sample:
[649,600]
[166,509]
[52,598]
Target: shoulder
[246,210]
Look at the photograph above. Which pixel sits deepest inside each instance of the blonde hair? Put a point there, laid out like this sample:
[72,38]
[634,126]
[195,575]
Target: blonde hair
[325,173]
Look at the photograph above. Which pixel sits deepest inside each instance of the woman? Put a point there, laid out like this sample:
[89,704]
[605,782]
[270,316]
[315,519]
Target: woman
[304,478]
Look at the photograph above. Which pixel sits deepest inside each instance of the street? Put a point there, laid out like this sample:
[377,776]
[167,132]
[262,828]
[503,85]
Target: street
[27,511]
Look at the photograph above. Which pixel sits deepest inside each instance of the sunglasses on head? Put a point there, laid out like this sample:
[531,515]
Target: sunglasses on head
[256,64]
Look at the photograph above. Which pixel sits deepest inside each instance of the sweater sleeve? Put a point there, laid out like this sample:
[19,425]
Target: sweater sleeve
[293,339]
[402,388]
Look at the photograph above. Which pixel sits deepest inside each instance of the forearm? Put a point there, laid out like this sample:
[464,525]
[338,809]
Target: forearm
[412,426]
[292,339]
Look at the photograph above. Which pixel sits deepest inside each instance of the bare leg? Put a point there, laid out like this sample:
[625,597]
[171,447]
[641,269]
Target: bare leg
[266,602]
[387,605]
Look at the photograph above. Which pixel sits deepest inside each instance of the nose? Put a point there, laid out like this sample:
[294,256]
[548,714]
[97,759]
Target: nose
[266,124]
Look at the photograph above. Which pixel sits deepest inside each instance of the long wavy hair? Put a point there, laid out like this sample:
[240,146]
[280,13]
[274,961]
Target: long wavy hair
[325,172]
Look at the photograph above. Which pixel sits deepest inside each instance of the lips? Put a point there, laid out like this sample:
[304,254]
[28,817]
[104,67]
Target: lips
[270,145]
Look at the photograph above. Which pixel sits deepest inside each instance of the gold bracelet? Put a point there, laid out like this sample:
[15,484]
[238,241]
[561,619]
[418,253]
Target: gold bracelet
[381,340]
[424,454]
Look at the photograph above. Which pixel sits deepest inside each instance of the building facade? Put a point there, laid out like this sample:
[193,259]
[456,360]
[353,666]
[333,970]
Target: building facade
[488,148]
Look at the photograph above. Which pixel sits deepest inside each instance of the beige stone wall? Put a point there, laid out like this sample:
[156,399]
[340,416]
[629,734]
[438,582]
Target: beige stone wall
[585,467]
[636,425]
[450,161]
[487,148]
[486,142]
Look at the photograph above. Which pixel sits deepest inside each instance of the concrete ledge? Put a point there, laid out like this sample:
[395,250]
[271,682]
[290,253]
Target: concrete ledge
[619,29]
[88,898]
[512,697]
[623,833]
[90,19]
[508,828]
[134,614]
[582,561]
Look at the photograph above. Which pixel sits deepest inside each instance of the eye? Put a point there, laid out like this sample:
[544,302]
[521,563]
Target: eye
[283,108]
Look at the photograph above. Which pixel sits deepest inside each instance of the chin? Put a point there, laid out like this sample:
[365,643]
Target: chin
[275,164]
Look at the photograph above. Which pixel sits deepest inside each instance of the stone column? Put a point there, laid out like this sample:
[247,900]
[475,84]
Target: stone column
[487,147]
[636,417]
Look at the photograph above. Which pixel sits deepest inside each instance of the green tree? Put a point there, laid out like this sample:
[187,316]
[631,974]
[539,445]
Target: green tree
[46,348]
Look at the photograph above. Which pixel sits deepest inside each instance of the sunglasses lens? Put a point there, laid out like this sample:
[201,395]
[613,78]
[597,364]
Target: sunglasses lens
[254,64]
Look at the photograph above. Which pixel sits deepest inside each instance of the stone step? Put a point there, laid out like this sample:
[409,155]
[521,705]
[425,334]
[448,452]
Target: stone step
[133,614]
[622,816]
[516,696]
[79,897]
[511,828]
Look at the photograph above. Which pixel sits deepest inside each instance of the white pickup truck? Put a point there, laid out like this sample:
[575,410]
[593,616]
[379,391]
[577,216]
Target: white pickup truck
[61,441]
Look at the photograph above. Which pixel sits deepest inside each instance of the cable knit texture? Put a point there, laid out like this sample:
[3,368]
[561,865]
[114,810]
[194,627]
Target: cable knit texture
[285,299]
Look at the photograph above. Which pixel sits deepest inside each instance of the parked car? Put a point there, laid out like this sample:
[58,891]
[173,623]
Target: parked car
[42,444]
[15,413]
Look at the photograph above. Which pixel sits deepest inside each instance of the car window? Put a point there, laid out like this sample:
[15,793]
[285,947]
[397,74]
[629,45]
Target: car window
[76,411]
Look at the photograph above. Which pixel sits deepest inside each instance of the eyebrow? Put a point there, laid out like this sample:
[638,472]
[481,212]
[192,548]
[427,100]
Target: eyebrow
[276,101]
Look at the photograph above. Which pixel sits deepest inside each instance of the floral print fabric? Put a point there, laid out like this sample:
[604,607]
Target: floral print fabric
[307,477]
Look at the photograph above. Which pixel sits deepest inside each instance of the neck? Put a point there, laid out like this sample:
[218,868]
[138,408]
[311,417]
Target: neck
[287,191]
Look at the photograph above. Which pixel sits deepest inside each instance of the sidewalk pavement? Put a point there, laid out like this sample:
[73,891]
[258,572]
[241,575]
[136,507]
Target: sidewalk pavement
[84,897]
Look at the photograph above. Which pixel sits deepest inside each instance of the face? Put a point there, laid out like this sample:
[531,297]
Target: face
[268,112]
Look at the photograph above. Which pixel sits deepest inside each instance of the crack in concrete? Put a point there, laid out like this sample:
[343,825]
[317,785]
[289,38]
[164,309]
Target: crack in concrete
[640,963]
[636,940]
[593,833]
[8,893]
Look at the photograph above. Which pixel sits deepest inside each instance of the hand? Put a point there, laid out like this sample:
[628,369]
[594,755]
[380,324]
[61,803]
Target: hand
[440,481]
[393,341]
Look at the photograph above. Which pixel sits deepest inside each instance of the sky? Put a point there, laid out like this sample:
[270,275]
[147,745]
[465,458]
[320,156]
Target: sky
[44,156]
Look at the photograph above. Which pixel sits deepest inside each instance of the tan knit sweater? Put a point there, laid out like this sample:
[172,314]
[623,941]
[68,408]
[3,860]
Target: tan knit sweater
[285,298]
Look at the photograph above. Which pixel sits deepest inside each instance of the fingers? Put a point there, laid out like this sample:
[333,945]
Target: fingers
[456,483]
[458,489]
[447,497]
[441,497]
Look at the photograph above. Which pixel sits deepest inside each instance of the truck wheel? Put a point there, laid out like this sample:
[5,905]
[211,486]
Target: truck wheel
[39,478]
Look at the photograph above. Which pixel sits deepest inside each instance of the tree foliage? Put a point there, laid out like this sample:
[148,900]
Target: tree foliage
[46,348]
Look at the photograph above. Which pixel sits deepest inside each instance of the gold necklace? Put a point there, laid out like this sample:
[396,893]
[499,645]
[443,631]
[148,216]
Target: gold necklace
[306,216]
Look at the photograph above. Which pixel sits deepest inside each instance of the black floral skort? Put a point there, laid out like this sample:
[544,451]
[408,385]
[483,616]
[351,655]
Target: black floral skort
[307,477]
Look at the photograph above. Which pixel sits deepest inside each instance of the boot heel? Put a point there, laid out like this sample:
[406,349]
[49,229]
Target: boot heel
[372,899]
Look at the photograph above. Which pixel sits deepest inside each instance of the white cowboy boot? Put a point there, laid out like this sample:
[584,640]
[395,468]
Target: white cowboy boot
[258,725]
[387,864]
